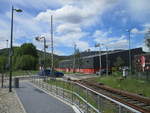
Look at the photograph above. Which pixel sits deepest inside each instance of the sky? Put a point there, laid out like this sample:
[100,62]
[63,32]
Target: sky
[80,22]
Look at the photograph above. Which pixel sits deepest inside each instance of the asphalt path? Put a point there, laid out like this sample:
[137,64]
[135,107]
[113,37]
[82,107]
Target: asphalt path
[35,100]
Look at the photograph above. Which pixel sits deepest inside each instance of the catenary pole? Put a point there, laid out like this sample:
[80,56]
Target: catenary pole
[100,60]
[74,60]
[52,48]
[130,60]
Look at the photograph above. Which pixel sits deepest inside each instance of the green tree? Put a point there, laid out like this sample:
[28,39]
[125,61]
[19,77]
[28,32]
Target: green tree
[2,63]
[25,57]
[26,62]
[28,49]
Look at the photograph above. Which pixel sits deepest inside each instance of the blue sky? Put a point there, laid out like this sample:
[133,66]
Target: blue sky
[84,22]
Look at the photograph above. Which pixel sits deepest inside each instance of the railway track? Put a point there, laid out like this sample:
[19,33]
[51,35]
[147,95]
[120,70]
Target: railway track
[137,102]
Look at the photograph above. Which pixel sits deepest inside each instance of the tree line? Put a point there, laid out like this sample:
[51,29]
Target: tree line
[25,57]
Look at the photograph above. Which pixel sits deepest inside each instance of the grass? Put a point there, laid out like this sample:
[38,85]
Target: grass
[22,72]
[129,84]
[76,89]
[91,98]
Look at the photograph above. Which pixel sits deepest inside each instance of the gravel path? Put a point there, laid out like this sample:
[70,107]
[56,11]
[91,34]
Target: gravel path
[9,102]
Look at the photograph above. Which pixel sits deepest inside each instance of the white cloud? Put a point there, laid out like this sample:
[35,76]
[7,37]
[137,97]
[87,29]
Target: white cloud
[112,42]
[68,28]
[145,29]
[69,39]
[70,18]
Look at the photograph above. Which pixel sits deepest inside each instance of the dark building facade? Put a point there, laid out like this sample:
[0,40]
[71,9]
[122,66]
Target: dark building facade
[91,64]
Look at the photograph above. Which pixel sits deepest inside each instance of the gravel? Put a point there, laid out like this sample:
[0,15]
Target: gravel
[9,102]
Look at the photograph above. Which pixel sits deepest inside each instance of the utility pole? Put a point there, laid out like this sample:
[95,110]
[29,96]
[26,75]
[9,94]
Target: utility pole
[74,60]
[107,61]
[130,60]
[52,48]
[100,59]
[44,54]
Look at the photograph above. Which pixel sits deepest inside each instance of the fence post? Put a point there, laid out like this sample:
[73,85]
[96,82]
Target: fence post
[2,80]
[72,92]
[119,109]
[98,103]
[63,88]
[87,100]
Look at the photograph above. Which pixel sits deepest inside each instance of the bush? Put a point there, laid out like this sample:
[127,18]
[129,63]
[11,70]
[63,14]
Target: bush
[2,63]
[26,62]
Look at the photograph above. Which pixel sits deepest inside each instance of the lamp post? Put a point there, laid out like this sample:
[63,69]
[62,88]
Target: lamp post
[45,46]
[52,48]
[11,47]
[100,59]
[130,60]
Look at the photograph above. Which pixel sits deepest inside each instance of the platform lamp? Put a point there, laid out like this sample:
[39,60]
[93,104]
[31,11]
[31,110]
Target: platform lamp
[11,47]
[38,38]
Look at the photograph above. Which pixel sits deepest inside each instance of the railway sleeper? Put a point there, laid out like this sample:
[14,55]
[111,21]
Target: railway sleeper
[135,102]
[141,104]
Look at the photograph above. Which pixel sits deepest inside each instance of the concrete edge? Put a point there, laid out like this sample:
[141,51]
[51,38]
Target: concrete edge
[20,102]
[76,110]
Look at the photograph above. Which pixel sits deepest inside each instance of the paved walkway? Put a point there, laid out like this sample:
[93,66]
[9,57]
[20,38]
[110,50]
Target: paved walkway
[36,101]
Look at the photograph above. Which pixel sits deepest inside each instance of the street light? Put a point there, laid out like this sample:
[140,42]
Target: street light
[130,60]
[45,46]
[100,62]
[11,47]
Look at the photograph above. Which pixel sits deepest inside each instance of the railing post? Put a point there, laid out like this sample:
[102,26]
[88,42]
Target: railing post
[51,85]
[72,92]
[56,87]
[47,82]
[63,88]
[79,94]
[98,103]
[119,109]
[39,81]
[87,100]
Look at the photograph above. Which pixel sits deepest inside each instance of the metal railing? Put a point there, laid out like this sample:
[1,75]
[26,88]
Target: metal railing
[84,98]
